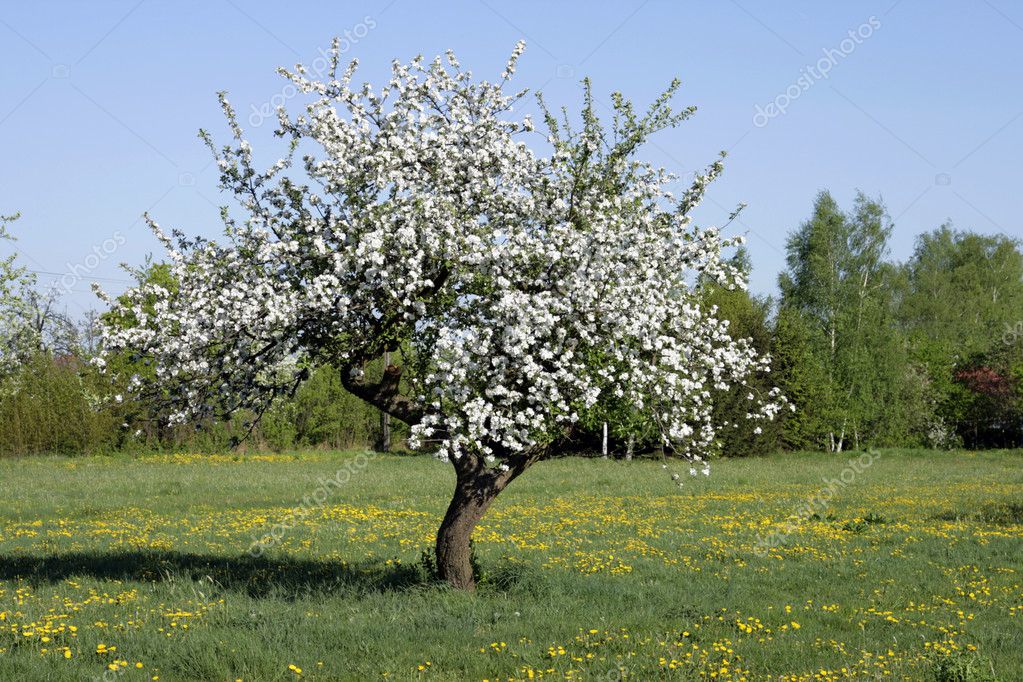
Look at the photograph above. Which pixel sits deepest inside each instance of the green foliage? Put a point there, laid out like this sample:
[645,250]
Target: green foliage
[868,350]
[323,413]
[871,353]
[987,398]
[749,318]
[961,309]
[965,290]
[63,405]
[54,406]
[629,431]
[962,666]
[802,375]
[839,286]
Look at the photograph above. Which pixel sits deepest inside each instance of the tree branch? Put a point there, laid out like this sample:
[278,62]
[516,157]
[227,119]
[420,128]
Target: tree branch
[385,394]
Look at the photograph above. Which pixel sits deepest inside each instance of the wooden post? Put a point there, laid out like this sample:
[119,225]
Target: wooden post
[385,419]
[603,447]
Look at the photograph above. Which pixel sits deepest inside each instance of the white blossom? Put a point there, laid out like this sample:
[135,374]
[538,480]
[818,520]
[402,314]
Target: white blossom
[423,222]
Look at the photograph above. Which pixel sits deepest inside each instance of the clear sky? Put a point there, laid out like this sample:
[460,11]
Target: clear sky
[101,102]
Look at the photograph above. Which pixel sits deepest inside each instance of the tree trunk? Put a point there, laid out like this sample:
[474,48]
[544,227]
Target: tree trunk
[476,486]
[470,502]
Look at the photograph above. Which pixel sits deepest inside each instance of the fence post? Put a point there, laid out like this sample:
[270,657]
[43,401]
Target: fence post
[385,419]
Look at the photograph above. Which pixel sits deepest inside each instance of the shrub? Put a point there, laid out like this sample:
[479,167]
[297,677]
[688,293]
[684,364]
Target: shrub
[54,405]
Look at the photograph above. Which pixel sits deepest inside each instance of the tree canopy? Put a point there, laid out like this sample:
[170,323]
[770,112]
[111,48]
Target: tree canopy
[518,287]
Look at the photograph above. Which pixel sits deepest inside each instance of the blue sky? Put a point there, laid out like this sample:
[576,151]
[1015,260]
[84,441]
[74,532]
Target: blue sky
[923,107]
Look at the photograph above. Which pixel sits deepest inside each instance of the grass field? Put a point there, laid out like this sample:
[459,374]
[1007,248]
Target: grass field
[120,569]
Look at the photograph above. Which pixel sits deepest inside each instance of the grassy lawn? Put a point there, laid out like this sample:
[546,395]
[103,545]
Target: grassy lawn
[120,569]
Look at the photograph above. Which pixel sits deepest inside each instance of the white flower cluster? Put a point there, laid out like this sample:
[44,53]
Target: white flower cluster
[19,336]
[516,287]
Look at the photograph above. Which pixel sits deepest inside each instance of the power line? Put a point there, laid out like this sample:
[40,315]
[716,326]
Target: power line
[99,279]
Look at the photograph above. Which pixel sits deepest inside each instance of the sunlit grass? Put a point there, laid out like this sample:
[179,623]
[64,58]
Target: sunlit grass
[140,569]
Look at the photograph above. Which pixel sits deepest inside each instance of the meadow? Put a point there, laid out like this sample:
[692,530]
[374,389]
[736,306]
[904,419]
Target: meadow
[902,565]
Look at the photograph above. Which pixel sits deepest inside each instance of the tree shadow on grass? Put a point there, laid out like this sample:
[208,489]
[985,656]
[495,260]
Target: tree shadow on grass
[282,577]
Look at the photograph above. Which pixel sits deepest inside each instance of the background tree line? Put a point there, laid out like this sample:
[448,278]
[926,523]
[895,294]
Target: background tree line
[925,353]
[878,353]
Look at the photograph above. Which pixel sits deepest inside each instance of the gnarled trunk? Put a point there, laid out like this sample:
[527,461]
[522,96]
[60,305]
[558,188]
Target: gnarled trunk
[468,505]
[476,486]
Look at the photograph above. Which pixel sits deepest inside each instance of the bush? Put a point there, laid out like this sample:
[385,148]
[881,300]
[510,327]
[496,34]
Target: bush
[962,667]
[64,406]
[54,405]
[323,413]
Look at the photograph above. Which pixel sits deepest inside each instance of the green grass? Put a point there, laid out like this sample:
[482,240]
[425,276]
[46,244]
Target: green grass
[590,570]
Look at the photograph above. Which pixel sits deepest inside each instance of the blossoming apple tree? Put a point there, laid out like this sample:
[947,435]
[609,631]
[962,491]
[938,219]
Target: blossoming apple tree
[516,287]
